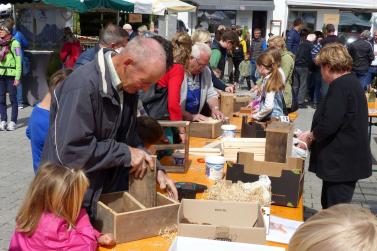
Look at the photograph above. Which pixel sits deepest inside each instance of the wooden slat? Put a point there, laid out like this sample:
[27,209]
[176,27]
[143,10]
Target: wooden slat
[144,190]
[169,146]
[168,123]
[227,104]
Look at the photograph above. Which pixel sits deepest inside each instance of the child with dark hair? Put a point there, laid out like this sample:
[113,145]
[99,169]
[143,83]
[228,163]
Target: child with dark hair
[149,131]
[39,121]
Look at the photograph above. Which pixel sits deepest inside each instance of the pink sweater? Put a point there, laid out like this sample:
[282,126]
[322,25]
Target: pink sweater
[52,234]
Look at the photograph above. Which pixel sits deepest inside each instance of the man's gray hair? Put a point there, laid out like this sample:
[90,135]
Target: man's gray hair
[365,34]
[199,48]
[145,50]
[112,34]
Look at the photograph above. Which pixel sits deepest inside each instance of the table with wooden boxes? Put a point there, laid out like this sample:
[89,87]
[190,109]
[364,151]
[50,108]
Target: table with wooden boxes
[136,223]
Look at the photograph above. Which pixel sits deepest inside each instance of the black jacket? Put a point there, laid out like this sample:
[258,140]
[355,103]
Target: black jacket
[303,55]
[332,39]
[91,130]
[362,54]
[341,150]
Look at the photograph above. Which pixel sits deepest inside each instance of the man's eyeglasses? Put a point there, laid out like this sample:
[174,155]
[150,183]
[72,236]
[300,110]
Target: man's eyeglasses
[201,65]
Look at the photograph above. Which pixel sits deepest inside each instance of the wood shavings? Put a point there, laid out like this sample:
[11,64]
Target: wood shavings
[169,233]
[246,192]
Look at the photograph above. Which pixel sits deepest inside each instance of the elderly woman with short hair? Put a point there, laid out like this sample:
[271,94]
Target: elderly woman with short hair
[340,150]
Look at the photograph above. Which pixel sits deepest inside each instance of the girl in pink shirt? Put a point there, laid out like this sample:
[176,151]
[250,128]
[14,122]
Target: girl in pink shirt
[51,217]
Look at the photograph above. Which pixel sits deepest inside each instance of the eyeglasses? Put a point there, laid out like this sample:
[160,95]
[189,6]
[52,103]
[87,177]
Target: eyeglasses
[201,65]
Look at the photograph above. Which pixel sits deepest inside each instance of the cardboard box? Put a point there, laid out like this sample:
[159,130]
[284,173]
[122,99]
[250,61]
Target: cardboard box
[222,220]
[206,129]
[189,244]
[287,179]
[128,220]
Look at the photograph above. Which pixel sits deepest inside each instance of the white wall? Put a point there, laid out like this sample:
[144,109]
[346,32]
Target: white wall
[280,13]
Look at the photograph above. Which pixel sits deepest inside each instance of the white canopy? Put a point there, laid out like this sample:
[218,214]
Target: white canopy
[354,4]
[158,7]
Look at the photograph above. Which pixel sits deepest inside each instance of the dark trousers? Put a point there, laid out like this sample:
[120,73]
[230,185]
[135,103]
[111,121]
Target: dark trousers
[316,81]
[6,85]
[336,193]
[300,86]
[248,81]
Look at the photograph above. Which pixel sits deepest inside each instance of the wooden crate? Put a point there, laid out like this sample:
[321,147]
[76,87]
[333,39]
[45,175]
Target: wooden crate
[232,146]
[168,162]
[279,137]
[231,103]
[210,129]
[128,220]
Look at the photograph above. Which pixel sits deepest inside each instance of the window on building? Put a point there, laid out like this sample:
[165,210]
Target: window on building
[210,19]
[309,19]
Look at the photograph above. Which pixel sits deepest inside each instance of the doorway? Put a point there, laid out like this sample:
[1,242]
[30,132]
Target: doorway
[260,21]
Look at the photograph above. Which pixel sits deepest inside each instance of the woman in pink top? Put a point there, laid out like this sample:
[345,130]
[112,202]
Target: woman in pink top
[51,217]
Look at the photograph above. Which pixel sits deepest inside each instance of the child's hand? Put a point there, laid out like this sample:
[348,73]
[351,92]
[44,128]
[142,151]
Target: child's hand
[106,240]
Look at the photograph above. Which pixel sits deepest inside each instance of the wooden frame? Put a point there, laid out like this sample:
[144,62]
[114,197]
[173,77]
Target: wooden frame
[206,129]
[167,162]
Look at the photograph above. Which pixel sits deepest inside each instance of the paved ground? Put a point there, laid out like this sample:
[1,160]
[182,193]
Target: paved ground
[16,173]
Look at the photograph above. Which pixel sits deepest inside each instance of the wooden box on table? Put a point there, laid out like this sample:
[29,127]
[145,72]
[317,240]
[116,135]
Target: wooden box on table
[210,129]
[137,214]
[230,103]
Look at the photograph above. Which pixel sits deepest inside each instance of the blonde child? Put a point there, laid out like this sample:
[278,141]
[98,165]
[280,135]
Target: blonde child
[272,101]
[339,228]
[51,217]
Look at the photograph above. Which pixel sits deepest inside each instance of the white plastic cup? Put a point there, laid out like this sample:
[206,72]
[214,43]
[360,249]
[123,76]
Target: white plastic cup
[229,131]
[215,167]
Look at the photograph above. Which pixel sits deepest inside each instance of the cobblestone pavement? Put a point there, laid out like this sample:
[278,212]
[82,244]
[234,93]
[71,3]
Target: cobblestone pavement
[16,173]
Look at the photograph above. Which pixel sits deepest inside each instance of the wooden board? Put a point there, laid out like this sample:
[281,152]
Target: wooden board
[227,103]
[253,129]
[206,129]
[279,137]
[231,147]
[144,190]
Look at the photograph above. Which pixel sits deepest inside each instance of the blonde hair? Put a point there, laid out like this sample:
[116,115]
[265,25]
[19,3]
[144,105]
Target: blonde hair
[181,48]
[336,57]
[201,36]
[55,189]
[277,42]
[275,81]
[341,227]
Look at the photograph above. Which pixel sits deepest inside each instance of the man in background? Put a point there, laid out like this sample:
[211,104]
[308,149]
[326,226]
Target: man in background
[293,36]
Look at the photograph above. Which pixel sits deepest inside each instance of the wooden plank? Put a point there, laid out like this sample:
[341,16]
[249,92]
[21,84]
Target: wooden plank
[227,103]
[119,202]
[169,146]
[144,190]
[105,219]
[168,123]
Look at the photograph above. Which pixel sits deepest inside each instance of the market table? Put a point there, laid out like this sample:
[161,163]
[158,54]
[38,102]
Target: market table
[372,113]
[196,173]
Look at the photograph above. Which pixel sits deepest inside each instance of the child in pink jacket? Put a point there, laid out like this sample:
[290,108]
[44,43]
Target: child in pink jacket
[51,217]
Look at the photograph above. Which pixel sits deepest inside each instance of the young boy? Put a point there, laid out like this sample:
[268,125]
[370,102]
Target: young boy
[245,71]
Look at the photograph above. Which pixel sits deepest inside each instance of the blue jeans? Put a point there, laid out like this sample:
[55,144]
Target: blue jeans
[253,70]
[372,73]
[20,98]
[6,84]
[364,78]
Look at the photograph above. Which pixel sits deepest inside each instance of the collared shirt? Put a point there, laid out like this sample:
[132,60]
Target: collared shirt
[115,80]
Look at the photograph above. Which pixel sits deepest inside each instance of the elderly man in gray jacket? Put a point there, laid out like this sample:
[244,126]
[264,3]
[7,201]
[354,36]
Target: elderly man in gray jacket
[197,87]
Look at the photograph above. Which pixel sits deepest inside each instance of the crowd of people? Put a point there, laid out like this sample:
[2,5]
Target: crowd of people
[98,122]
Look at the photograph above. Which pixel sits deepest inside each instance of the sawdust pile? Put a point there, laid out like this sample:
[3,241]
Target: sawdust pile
[257,191]
[169,233]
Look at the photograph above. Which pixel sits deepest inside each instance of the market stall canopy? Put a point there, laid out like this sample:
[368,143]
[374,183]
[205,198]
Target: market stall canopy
[254,5]
[343,4]
[158,7]
[88,5]
[16,1]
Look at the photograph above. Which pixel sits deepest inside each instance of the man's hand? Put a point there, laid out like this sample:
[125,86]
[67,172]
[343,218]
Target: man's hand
[16,82]
[168,184]
[230,88]
[199,117]
[216,114]
[306,137]
[140,161]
